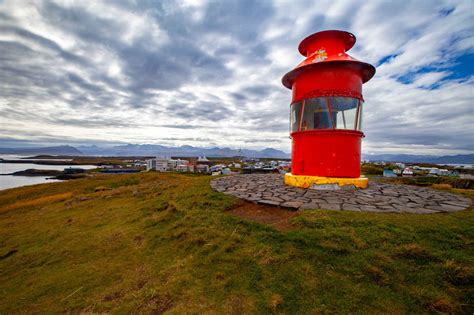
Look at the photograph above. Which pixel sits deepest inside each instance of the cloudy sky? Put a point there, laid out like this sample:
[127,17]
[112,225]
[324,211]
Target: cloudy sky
[209,73]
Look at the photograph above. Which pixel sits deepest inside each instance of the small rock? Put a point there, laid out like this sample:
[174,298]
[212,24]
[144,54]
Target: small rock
[350,207]
[291,204]
[448,207]
[269,202]
[330,206]
[310,206]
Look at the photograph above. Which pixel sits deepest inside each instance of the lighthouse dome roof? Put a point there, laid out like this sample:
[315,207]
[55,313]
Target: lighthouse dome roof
[325,49]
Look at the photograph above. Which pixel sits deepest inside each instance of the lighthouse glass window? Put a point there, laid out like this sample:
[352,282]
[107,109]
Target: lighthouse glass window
[344,112]
[315,114]
[295,115]
[359,124]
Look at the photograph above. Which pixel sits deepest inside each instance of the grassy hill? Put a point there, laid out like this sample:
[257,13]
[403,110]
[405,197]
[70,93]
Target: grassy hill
[154,243]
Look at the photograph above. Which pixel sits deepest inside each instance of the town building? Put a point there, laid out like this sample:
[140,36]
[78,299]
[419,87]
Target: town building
[162,164]
[181,168]
[165,164]
[173,164]
[151,164]
[407,172]
[202,168]
[159,164]
[440,172]
[217,167]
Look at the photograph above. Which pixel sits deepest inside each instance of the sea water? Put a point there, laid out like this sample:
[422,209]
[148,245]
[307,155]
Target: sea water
[10,181]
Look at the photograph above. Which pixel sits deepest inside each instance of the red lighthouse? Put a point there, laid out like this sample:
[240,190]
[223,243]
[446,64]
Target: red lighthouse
[326,112]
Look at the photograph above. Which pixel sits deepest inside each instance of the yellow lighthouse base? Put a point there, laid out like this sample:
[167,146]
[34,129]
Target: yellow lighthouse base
[304,181]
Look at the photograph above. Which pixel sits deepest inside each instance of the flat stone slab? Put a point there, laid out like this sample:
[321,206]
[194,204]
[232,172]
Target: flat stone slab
[269,189]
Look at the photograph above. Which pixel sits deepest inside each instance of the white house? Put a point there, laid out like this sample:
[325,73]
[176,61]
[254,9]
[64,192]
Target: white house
[202,168]
[162,164]
[173,164]
[159,164]
[407,172]
[151,164]
[440,172]
[181,168]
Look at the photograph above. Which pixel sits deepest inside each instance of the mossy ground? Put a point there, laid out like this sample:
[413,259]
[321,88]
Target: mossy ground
[153,243]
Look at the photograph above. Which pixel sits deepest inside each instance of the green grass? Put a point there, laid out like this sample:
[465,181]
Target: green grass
[152,243]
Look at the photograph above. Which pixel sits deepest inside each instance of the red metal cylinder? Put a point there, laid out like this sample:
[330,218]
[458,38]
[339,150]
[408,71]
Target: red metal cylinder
[326,153]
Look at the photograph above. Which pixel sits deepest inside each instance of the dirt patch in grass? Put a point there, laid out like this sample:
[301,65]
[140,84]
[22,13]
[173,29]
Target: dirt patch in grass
[277,218]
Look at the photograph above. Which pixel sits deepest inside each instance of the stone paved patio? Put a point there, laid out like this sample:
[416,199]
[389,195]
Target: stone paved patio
[269,189]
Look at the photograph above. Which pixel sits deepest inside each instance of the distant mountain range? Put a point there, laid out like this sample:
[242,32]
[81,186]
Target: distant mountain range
[408,158]
[185,150]
[147,150]
[188,151]
[57,150]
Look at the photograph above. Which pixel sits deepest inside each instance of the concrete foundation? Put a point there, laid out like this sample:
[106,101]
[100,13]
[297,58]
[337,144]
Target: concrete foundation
[304,181]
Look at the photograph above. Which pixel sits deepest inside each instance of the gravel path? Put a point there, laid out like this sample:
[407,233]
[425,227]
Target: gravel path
[269,189]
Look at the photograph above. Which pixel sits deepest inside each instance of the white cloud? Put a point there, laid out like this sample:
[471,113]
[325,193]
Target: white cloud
[430,78]
[143,73]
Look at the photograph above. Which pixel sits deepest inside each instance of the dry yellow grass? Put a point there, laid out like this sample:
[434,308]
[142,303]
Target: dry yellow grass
[37,201]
